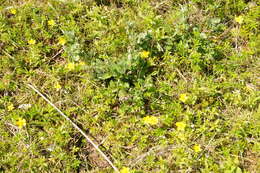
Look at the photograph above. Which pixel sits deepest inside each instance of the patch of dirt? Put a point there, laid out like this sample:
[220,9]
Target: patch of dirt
[96,160]
[252,162]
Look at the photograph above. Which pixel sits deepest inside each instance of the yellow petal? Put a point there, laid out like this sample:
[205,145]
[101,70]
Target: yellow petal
[62,41]
[144,54]
[152,120]
[239,19]
[57,86]
[21,123]
[13,11]
[183,97]
[125,170]
[31,42]
[180,125]
[10,107]
[51,22]
[70,66]
[196,148]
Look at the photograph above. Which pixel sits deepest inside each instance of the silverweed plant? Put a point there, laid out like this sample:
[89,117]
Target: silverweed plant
[160,86]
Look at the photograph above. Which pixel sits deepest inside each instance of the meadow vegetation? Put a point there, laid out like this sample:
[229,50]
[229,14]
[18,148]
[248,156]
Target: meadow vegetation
[160,85]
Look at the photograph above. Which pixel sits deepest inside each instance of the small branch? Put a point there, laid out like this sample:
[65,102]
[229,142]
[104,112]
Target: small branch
[59,52]
[181,75]
[227,31]
[13,128]
[206,146]
[141,157]
[159,150]
[6,53]
[76,127]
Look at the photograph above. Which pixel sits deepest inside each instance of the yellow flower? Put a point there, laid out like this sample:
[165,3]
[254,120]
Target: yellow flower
[152,120]
[180,125]
[57,86]
[239,19]
[70,66]
[13,11]
[196,148]
[183,97]
[10,107]
[51,22]
[125,170]
[82,63]
[144,54]
[31,42]
[62,41]
[21,123]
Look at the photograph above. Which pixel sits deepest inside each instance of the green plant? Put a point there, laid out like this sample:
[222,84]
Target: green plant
[161,86]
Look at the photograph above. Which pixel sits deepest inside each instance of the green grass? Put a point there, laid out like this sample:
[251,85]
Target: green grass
[162,86]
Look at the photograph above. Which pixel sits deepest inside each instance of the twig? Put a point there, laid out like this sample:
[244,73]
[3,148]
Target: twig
[224,34]
[12,128]
[10,56]
[59,52]
[199,156]
[181,75]
[159,150]
[141,157]
[76,127]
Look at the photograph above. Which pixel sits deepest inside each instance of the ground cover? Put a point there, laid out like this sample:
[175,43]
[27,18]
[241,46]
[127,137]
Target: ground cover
[161,86]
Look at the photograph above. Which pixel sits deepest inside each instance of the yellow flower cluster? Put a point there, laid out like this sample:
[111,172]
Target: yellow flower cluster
[57,86]
[51,22]
[152,120]
[70,66]
[180,125]
[144,54]
[196,148]
[62,41]
[31,42]
[13,11]
[239,19]
[10,107]
[125,170]
[21,123]
[183,97]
